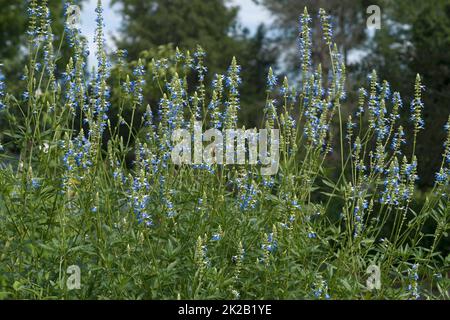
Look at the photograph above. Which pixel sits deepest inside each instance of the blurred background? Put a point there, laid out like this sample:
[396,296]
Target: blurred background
[414,38]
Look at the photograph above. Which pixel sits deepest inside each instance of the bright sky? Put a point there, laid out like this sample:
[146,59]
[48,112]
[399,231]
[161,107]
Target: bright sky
[250,16]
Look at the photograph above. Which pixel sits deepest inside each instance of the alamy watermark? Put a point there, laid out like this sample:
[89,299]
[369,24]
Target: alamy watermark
[374,280]
[374,20]
[73,13]
[74,280]
[228,148]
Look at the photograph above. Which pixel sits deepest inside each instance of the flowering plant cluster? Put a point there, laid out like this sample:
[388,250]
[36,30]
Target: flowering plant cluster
[151,228]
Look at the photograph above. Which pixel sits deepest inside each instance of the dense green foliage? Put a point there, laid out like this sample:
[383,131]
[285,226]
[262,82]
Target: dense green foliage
[152,229]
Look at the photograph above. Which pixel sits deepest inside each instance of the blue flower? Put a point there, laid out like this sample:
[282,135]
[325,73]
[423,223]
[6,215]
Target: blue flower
[247,199]
[312,235]
[271,244]
[441,176]
[35,183]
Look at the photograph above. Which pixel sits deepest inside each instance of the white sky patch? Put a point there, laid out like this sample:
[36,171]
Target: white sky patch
[252,15]
[356,55]
[112,21]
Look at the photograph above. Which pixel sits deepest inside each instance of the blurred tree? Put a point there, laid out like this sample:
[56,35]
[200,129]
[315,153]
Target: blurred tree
[13,28]
[211,24]
[349,25]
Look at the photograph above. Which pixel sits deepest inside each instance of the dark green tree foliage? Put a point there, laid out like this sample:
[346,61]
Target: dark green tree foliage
[183,23]
[212,25]
[12,27]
